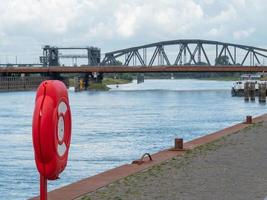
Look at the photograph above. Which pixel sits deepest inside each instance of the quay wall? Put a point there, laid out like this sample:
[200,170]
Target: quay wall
[28,83]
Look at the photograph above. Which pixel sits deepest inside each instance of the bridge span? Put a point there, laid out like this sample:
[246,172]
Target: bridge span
[130,69]
[187,52]
[181,52]
[174,56]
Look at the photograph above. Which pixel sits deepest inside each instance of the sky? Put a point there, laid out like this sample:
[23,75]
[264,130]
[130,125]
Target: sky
[27,25]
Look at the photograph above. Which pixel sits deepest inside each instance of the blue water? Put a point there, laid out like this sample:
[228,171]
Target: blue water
[115,127]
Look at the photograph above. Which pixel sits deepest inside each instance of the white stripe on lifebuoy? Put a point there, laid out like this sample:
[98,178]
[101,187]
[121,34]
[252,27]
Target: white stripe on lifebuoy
[61,148]
[62,108]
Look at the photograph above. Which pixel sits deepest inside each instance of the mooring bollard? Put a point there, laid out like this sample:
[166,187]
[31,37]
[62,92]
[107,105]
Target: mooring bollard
[246,91]
[248,119]
[178,144]
[262,92]
[252,91]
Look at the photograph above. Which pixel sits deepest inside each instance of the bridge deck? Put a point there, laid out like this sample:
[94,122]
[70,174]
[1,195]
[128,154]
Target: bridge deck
[126,69]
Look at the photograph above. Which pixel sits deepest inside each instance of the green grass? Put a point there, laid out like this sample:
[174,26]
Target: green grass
[86,198]
[112,81]
[71,82]
[230,78]
[107,81]
[103,86]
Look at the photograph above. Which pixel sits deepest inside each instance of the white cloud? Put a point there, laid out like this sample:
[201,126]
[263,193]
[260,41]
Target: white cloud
[28,24]
[169,17]
[47,16]
[226,15]
[209,2]
[216,32]
[242,34]
[127,19]
[241,3]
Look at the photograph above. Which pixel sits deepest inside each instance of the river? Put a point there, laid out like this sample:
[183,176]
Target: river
[115,127]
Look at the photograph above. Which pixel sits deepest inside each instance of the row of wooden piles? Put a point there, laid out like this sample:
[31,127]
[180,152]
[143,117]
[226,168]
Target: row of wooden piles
[250,91]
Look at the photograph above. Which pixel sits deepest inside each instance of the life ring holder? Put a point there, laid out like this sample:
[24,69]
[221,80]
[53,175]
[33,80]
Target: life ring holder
[51,131]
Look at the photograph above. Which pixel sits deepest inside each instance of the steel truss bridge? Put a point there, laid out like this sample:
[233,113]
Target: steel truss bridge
[187,52]
[167,56]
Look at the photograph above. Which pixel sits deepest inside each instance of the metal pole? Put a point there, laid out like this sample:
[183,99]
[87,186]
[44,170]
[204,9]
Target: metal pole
[216,54]
[43,188]
[199,53]
[235,54]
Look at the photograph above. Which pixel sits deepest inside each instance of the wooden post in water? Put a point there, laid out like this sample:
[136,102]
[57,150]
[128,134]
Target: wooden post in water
[262,92]
[246,91]
[76,84]
[252,91]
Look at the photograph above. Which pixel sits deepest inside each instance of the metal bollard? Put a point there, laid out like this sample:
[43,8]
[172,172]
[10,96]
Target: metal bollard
[249,120]
[178,144]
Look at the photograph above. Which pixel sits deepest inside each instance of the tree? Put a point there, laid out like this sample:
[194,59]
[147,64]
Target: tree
[201,63]
[222,60]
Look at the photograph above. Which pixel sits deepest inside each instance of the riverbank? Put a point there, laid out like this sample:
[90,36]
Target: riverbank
[229,78]
[106,82]
[103,86]
[232,167]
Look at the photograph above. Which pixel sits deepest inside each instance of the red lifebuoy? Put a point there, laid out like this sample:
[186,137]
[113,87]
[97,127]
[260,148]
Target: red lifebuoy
[51,128]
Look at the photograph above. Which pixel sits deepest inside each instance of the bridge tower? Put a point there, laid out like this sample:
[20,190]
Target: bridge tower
[94,56]
[50,56]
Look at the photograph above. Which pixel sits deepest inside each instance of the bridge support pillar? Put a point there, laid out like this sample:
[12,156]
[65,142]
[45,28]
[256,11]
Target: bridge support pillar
[84,80]
[81,82]
[57,76]
[97,77]
[76,83]
[140,78]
